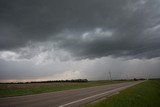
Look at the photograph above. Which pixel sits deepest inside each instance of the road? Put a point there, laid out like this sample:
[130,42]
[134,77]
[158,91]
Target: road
[68,98]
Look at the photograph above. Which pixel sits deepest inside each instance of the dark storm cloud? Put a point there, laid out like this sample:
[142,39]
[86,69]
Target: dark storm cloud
[86,28]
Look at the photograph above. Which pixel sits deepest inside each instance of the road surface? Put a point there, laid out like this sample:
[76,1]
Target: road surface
[68,98]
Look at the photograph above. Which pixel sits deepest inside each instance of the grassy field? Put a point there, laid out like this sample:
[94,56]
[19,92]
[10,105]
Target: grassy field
[146,94]
[7,90]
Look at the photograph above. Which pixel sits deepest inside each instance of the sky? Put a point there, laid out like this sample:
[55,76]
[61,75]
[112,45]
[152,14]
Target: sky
[71,39]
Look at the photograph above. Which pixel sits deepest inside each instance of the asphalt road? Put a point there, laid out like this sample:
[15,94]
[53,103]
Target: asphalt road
[68,98]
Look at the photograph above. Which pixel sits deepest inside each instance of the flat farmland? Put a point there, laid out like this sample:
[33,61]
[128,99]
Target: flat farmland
[18,89]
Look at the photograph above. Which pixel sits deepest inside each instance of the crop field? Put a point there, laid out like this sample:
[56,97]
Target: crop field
[8,90]
[146,94]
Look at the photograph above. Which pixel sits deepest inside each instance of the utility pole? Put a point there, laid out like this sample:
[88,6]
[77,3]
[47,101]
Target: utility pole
[106,75]
[127,76]
[110,75]
[146,75]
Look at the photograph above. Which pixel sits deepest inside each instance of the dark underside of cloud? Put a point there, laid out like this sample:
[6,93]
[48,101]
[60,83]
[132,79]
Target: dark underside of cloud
[85,28]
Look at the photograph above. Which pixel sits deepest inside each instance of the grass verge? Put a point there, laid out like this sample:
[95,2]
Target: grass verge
[146,94]
[9,90]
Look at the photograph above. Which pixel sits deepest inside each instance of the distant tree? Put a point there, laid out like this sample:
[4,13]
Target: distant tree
[135,79]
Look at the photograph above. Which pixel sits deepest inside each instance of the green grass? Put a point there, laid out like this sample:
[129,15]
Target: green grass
[146,94]
[9,90]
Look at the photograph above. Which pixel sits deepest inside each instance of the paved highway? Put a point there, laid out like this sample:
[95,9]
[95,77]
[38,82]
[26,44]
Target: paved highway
[68,98]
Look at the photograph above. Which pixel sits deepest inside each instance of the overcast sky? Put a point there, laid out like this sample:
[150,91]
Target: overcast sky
[70,39]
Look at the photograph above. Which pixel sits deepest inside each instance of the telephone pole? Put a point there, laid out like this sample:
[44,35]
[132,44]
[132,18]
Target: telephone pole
[106,75]
[110,75]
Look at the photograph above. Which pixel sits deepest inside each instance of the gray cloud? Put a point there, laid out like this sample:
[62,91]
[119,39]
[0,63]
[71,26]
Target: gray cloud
[86,29]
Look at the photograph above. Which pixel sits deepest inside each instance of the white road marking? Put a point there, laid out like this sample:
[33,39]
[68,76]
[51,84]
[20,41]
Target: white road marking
[110,91]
